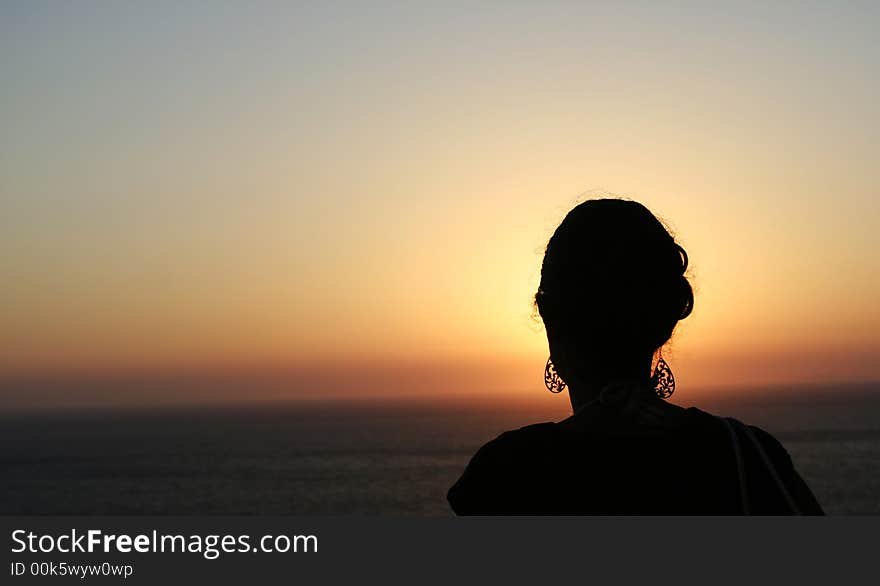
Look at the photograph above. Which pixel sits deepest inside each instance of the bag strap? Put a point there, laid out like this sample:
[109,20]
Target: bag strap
[768,464]
[740,465]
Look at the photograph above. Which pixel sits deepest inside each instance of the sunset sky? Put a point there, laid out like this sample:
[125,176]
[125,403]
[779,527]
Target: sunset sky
[259,200]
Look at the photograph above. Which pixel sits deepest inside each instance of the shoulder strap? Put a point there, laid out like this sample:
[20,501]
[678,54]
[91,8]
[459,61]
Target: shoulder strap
[768,464]
[740,466]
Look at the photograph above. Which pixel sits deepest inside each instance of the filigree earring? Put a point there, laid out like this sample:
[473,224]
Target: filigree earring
[662,380]
[552,380]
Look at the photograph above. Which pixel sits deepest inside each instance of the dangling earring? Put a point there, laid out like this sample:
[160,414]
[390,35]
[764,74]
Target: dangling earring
[552,380]
[662,380]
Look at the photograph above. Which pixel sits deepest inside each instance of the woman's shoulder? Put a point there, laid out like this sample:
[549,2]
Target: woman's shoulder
[486,480]
[511,444]
[526,434]
[764,438]
[771,462]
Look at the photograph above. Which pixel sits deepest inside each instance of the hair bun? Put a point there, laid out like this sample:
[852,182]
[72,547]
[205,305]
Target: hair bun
[684,257]
[687,296]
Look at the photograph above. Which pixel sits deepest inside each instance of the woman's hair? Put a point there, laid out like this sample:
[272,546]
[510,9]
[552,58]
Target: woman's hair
[612,280]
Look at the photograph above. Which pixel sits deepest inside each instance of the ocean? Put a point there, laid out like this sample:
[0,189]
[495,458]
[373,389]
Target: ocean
[391,458]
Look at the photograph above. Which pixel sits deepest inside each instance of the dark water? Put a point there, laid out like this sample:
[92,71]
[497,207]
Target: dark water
[389,460]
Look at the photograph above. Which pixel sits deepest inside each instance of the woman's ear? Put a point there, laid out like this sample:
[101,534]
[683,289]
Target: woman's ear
[560,354]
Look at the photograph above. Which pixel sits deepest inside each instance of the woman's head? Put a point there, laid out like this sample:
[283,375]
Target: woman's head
[612,286]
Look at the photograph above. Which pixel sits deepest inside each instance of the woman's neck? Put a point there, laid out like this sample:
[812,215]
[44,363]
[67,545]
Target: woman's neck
[585,390]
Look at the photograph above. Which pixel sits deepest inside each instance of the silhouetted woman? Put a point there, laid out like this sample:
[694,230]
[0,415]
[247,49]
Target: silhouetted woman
[612,290]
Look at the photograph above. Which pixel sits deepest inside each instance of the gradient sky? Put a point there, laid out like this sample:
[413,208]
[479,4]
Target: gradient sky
[353,197]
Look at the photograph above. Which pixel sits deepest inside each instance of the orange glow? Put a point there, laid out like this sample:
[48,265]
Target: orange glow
[379,216]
